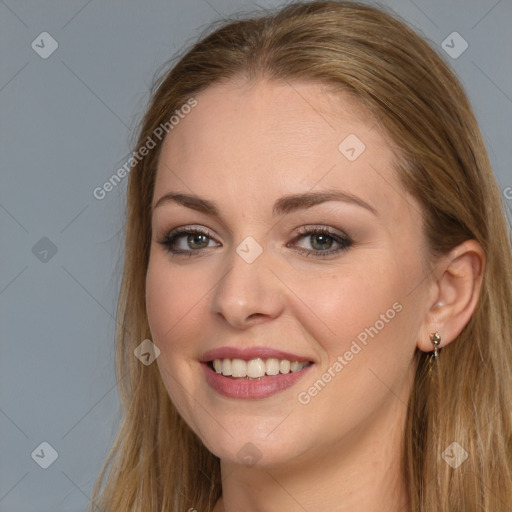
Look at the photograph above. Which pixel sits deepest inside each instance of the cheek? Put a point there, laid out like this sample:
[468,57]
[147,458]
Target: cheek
[333,307]
[364,324]
[342,305]
[366,341]
[173,299]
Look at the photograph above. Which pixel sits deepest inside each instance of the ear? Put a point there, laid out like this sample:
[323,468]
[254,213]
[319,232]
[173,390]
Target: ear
[455,291]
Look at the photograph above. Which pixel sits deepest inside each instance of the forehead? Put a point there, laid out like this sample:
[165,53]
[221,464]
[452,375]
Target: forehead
[280,138]
[300,117]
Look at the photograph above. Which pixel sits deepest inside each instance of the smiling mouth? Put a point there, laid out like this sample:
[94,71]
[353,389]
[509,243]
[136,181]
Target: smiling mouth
[255,368]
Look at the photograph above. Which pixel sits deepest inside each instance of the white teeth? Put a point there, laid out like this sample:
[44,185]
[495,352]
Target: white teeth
[256,368]
[284,366]
[294,366]
[272,366]
[226,367]
[238,368]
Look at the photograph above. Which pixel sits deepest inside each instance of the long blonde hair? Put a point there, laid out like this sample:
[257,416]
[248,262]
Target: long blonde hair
[157,463]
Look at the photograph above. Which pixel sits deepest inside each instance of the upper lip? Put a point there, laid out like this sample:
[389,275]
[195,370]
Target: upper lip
[248,353]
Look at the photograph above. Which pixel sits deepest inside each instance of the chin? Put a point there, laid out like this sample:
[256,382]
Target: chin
[251,441]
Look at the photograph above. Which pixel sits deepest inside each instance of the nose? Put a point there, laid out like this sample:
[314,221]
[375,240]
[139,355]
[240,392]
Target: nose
[248,293]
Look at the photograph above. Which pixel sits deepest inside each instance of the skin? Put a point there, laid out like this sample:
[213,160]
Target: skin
[244,146]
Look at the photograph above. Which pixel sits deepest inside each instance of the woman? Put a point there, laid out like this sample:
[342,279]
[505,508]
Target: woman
[318,262]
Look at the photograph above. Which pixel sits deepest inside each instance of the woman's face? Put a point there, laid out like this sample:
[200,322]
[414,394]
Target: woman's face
[302,264]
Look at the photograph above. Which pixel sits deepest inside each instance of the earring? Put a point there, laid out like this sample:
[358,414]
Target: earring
[435,338]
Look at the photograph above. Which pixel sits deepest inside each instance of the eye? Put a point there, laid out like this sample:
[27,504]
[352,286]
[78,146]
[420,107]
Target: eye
[321,240]
[188,240]
[192,241]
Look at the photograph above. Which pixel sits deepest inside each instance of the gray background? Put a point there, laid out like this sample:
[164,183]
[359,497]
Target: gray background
[66,126]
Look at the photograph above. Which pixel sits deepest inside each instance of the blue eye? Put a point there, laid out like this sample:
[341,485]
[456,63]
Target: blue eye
[192,241]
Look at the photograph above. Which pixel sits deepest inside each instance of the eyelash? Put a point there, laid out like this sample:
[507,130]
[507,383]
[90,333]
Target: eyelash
[343,240]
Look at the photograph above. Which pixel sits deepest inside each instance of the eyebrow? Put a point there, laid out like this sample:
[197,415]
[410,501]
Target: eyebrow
[283,206]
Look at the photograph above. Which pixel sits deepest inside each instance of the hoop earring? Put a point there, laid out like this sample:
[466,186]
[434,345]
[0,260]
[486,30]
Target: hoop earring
[435,338]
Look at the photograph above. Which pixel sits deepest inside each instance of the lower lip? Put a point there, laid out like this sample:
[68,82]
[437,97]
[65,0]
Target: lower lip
[252,389]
